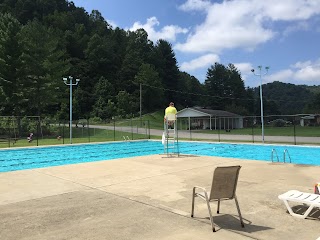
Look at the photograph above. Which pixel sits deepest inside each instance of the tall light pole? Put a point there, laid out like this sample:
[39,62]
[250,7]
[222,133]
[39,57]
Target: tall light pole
[65,80]
[261,101]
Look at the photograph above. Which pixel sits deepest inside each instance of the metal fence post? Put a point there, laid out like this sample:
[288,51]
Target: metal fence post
[131,129]
[9,142]
[38,127]
[114,129]
[294,130]
[88,128]
[252,132]
[219,129]
[63,134]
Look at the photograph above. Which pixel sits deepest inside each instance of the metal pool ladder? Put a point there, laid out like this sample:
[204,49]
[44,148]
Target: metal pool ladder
[285,153]
[274,152]
[126,138]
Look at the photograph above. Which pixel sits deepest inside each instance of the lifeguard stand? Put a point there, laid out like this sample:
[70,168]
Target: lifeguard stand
[170,135]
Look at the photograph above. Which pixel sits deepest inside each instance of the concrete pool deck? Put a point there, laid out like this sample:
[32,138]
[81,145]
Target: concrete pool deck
[150,198]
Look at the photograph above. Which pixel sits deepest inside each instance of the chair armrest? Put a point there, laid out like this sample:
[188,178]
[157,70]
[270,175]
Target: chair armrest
[202,194]
[202,188]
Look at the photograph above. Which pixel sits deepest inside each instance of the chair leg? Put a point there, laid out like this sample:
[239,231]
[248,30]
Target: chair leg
[308,211]
[210,213]
[239,212]
[218,209]
[296,214]
[193,197]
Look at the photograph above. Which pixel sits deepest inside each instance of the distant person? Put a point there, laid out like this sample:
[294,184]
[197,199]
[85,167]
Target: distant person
[29,138]
[170,110]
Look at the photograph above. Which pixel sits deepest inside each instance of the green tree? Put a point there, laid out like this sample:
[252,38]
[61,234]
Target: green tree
[98,24]
[226,88]
[314,105]
[290,98]
[11,70]
[104,91]
[192,91]
[125,104]
[166,64]
[111,108]
[137,50]
[45,62]
[62,113]
[99,54]
[215,86]
[152,90]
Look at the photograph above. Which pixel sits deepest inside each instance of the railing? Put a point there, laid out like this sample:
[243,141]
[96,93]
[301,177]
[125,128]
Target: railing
[274,152]
[126,138]
[285,152]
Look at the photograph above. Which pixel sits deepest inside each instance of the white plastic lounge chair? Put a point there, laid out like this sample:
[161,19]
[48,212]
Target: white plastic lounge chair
[310,199]
[224,185]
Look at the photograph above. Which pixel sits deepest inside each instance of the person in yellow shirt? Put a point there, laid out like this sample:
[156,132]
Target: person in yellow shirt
[170,110]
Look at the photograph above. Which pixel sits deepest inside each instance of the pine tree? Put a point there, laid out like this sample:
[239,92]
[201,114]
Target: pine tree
[11,70]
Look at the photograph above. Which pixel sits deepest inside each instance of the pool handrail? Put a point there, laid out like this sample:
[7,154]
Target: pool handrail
[126,138]
[284,155]
[272,152]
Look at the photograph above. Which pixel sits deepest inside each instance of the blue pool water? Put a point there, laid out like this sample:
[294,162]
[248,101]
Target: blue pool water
[27,158]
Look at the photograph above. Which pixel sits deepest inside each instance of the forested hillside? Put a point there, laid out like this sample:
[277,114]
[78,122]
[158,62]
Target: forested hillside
[43,41]
[287,98]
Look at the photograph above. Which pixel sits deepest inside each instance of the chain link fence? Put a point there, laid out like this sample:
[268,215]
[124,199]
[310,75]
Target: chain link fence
[18,131]
[286,129]
[24,131]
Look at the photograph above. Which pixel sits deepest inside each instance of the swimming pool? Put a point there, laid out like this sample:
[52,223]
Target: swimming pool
[27,158]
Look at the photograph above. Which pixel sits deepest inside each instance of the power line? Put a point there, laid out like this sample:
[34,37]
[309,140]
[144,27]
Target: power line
[225,97]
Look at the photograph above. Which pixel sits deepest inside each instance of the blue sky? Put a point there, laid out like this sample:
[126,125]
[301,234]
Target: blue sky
[281,34]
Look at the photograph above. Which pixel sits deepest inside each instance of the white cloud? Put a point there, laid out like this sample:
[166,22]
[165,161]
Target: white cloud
[168,32]
[201,62]
[195,5]
[309,74]
[308,71]
[301,26]
[244,68]
[228,25]
[112,23]
[281,76]
[299,65]
[300,73]
[242,24]
[289,10]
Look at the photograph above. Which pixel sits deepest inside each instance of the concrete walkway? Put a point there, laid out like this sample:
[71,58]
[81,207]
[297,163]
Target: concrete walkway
[150,198]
